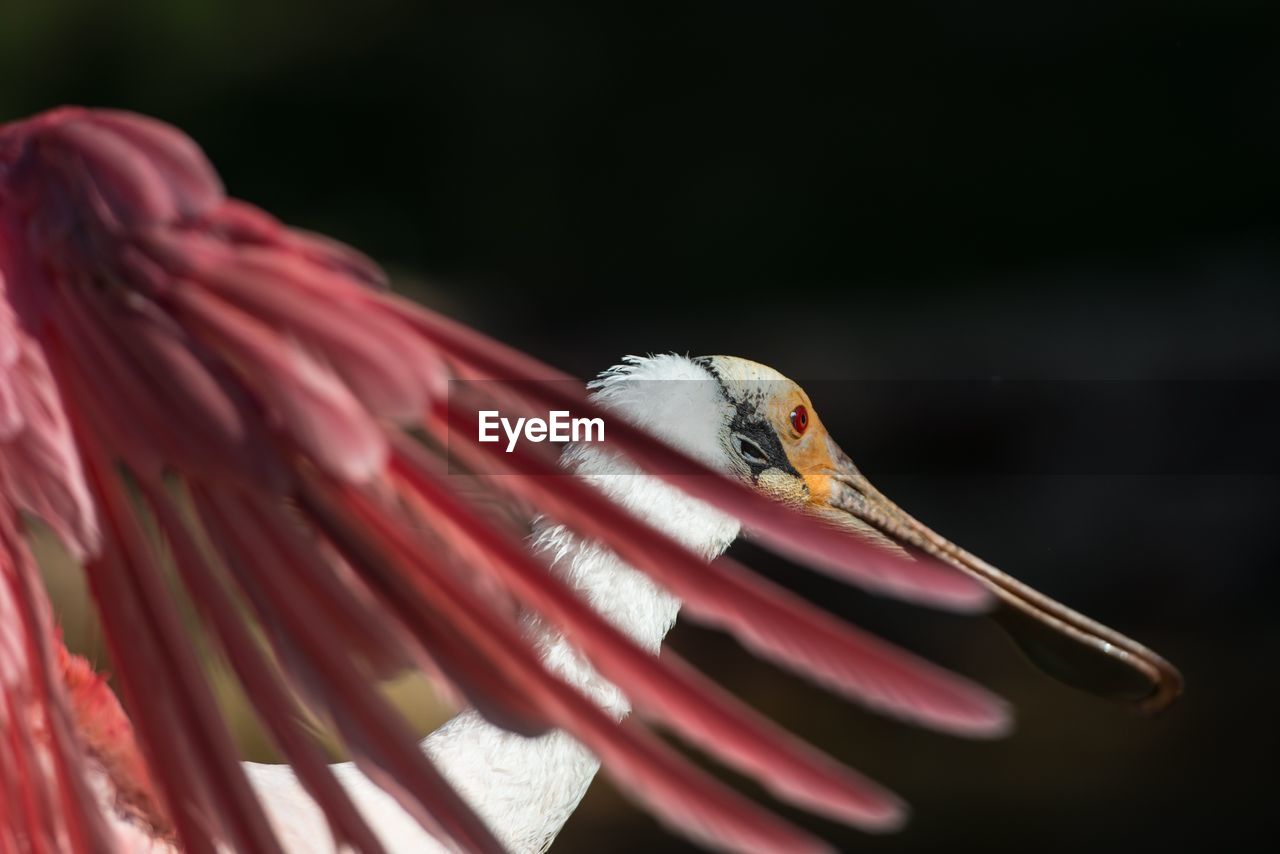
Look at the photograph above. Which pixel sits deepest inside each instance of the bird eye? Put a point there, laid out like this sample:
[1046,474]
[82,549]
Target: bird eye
[749,450]
[800,419]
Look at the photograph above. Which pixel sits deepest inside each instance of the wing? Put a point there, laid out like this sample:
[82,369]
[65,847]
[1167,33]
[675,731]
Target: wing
[39,465]
[44,769]
[239,396]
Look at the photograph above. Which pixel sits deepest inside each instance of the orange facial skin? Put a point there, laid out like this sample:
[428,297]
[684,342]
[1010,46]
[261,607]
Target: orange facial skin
[810,452]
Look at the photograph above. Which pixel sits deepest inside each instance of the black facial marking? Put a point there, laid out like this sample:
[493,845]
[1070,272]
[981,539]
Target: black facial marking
[748,423]
[747,448]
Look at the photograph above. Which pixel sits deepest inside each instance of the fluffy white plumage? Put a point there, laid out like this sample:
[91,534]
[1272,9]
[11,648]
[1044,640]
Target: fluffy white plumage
[526,788]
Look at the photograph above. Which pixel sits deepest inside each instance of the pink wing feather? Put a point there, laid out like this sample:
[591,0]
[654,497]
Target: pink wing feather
[45,771]
[243,388]
[39,464]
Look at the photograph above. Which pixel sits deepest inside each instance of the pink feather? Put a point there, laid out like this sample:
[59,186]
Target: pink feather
[168,340]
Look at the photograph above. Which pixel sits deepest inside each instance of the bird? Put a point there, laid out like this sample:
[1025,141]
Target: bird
[189,386]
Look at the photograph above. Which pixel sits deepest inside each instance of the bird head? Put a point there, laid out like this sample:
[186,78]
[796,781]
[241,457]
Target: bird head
[764,429]
[774,439]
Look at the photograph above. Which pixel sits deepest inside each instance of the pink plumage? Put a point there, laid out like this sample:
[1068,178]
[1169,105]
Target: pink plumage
[169,355]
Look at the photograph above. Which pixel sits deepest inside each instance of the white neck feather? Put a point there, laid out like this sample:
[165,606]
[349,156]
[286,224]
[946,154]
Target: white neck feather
[526,788]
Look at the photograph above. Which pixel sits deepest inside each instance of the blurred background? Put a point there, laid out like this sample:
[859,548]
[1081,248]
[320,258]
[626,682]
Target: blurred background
[1023,255]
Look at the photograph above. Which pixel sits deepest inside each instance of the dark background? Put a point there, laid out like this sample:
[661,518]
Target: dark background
[985,199]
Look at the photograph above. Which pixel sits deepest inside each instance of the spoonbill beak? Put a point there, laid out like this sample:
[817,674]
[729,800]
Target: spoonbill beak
[1064,643]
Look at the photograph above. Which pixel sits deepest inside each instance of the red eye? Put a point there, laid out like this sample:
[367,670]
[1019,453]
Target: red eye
[800,419]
